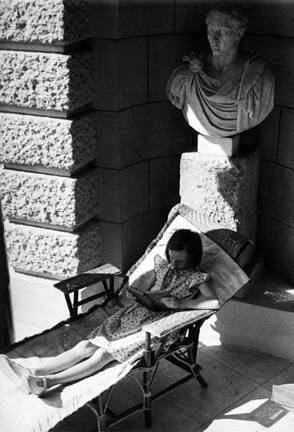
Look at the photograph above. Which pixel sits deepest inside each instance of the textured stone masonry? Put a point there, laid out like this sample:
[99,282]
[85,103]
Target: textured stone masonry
[125,192]
[43,21]
[279,54]
[277,193]
[45,81]
[143,132]
[120,73]
[47,142]
[164,182]
[280,251]
[223,188]
[39,198]
[165,54]
[124,243]
[53,253]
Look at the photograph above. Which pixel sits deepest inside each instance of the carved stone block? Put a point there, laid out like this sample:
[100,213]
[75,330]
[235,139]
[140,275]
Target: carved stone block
[50,200]
[43,21]
[45,81]
[52,253]
[47,142]
[223,188]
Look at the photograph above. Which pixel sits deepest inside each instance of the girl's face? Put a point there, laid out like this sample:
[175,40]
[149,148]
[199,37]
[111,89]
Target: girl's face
[180,260]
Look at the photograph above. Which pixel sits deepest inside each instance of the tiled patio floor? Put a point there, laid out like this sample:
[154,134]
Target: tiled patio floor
[237,398]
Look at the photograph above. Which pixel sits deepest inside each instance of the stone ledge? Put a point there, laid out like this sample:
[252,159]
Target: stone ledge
[43,21]
[50,253]
[47,142]
[271,290]
[263,321]
[45,81]
[54,200]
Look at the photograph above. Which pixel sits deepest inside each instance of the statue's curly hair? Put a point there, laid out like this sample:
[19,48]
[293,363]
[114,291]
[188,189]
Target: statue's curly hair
[239,19]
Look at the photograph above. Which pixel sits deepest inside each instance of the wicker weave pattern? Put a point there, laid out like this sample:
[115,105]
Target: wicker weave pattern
[175,321]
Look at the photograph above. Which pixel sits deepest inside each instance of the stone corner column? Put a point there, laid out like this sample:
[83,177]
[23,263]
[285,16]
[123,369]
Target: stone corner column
[49,186]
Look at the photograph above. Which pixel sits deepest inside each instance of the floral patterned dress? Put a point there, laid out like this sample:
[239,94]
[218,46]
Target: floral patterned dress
[121,334]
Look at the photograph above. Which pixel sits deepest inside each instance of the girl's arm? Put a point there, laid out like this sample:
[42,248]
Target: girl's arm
[205,300]
[201,302]
[143,283]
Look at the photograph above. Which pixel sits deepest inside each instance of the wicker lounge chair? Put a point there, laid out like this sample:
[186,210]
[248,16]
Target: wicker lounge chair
[224,252]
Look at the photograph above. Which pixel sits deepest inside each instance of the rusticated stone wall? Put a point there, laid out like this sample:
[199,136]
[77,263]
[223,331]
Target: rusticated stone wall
[50,194]
[53,143]
[48,252]
[80,86]
[43,21]
[59,82]
[66,202]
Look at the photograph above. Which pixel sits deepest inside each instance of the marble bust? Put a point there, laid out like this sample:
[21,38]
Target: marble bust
[224,91]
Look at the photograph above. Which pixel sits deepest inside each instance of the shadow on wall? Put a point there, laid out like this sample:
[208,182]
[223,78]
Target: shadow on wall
[5,308]
[238,183]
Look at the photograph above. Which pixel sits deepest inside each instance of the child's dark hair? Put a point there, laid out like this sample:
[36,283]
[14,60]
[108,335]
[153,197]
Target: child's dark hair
[188,240]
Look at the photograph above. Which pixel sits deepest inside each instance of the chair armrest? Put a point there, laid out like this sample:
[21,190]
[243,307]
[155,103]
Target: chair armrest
[175,321]
[88,278]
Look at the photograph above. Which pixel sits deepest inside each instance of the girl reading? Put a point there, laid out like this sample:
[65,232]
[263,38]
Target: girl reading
[176,282]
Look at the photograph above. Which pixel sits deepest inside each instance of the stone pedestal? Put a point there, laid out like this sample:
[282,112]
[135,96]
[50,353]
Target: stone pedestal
[222,187]
[218,146]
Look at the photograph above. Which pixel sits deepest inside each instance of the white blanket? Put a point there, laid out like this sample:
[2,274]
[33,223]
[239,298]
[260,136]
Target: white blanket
[28,413]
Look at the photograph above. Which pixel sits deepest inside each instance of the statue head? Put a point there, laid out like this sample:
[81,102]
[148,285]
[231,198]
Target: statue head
[226,26]
[233,91]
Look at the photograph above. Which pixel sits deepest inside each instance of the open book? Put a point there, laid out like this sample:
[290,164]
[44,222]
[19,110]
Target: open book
[150,299]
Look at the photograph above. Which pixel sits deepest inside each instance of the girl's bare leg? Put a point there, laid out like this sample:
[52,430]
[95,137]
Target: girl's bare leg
[97,361]
[65,360]
[16,372]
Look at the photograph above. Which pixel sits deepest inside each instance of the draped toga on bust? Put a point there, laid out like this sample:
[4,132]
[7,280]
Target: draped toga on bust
[217,108]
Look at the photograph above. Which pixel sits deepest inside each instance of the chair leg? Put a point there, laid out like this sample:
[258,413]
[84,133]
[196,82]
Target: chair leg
[196,372]
[192,355]
[97,407]
[202,381]
[147,398]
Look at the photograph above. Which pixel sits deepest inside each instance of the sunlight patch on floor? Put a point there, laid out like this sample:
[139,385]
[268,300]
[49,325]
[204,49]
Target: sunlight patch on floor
[247,407]
[208,333]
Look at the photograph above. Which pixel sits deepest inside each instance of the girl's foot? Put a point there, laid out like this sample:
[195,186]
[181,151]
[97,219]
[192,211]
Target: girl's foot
[13,371]
[22,378]
[37,385]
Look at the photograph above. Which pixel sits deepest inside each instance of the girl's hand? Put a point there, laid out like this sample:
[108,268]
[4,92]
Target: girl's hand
[195,63]
[171,302]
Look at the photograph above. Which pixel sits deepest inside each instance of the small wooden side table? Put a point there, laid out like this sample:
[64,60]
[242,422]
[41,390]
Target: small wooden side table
[104,274]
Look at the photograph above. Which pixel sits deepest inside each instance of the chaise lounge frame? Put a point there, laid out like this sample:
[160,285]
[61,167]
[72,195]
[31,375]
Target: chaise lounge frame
[183,353]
